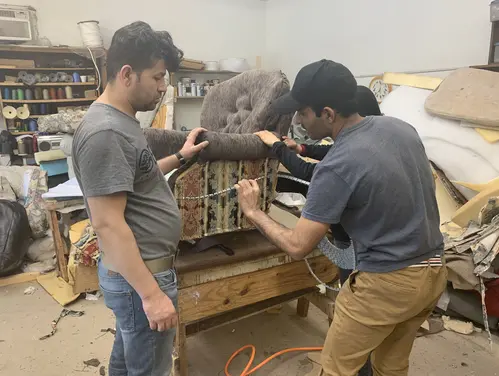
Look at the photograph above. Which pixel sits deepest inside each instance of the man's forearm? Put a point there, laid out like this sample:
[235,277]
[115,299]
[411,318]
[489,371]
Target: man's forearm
[278,234]
[122,252]
[168,164]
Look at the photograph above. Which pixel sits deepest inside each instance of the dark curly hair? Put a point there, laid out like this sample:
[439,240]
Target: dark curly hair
[139,46]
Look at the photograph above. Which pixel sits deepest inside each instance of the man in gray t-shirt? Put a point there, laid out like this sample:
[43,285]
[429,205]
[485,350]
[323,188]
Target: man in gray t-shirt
[376,181]
[130,205]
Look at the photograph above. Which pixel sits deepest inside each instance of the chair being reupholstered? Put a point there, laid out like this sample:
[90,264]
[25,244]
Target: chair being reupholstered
[231,111]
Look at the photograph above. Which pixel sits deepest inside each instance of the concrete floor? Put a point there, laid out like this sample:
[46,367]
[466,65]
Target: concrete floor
[25,318]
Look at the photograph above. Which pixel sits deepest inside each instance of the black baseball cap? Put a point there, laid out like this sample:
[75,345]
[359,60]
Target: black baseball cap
[323,83]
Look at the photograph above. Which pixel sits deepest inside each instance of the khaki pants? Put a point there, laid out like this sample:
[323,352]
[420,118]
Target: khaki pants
[380,313]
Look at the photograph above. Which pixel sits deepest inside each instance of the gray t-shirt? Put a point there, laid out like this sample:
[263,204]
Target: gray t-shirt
[110,155]
[377,182]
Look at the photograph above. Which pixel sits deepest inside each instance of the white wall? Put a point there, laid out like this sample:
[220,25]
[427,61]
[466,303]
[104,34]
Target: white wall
[372,37]
[203,29]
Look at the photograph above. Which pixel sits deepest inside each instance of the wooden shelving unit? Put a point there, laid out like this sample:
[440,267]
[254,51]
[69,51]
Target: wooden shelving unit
[46,61]
[188,108]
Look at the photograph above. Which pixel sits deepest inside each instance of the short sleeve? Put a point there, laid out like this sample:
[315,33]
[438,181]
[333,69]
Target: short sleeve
[327,197]
[106,164]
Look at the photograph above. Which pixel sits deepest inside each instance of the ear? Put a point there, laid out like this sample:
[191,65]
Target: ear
[330,114]
[125,74]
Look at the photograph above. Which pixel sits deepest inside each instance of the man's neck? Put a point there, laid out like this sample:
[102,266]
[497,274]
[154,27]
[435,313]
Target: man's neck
[345,124]
[113,97]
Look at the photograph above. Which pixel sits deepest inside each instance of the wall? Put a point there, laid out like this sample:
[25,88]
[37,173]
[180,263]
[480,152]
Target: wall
[203,29]
[371,37]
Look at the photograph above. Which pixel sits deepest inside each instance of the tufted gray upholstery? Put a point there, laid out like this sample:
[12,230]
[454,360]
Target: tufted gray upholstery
[242,104]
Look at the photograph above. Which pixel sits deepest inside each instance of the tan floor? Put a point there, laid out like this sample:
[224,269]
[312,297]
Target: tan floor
[25,318]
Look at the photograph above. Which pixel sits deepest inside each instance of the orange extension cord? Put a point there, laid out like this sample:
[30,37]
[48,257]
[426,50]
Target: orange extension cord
[247,371]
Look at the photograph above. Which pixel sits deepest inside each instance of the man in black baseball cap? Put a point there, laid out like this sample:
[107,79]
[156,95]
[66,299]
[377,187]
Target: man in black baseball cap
[376,181]
[322,89]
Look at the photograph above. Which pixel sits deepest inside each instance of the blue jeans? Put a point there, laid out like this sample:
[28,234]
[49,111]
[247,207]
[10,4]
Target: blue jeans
[137,350]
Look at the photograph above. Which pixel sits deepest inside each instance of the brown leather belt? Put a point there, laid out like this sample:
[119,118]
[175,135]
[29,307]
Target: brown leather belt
[155,266]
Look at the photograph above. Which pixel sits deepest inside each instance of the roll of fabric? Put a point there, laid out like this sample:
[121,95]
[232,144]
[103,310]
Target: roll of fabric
[222,146]
[29,79]
[53,77]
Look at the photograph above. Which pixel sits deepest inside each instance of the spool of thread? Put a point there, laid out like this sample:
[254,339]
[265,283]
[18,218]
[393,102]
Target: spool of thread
[20,94]
[90,33]
[38,93]
[29,94]
[32,125]
[21,147]
[76,77]
[61,94]
[35,143]
[35,109]
[43,109]
[53,93]
[28,143]
[46,94]
[53,77]
[69,92]
[14,94]
[6,93]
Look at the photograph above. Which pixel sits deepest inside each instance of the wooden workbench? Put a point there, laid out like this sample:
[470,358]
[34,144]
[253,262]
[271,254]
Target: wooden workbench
[215,289]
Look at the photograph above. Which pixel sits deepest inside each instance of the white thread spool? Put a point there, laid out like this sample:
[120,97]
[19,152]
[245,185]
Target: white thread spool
[90,33]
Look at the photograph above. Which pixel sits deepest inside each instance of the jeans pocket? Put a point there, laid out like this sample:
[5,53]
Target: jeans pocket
[167,282]
[121,303]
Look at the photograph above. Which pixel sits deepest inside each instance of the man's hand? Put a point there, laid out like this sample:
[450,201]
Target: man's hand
[160,312]
[267,137]
[189,149]
[248,194]
[291,144]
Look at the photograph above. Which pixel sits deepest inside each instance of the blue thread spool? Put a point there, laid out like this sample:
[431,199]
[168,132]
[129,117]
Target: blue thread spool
[6,94]
[32,125]
[14,94]
[76,77]
[43,109]
[29,94]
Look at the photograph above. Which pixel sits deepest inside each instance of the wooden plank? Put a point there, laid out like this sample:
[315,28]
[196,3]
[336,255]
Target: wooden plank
[323,302]
[209,299]
[11,84]
[62,263]
[50,69]
[181,363]
[51,50]
[403,79]
[60,204]
[18,278]
[245,312]
[302,307]
[198,277]
[49,100]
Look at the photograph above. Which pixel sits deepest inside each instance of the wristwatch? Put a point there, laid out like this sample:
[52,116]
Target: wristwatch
[180,158]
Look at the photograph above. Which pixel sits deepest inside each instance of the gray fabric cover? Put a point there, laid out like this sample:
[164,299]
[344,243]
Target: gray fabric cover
[242,104]
[223,146]
[232,110]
